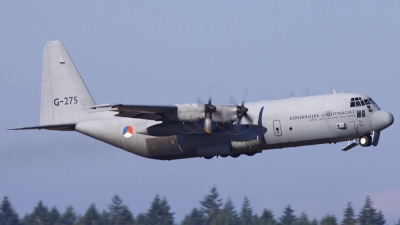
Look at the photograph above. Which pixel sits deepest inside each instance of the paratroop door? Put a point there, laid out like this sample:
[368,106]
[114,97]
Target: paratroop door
[277,128]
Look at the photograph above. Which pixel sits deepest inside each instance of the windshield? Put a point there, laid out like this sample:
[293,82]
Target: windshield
[359,102]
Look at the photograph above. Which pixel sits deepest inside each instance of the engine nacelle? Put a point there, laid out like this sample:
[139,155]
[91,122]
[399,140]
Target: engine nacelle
[187,113]
[225,114]
[196,112]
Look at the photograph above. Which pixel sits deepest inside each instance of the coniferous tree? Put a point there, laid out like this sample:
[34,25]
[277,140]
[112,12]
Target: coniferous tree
[124,217]
[41,213]
[8,216]
[349,216]
[119,213]
[104,218]
[91,216]
[68,217]
[159,213]
[227,215]
[28,219]
[141,219]
[369,216]
[398,223]
[230,212]
[53,216]
[246,215]
[288,217]
[328,220]
[266,218]
[303,219]
[211,205]
[379,218]
[314,222]
[196,217]
[115,206]
[39,216]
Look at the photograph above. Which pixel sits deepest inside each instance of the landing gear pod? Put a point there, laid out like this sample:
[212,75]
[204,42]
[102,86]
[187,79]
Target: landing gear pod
[209,151]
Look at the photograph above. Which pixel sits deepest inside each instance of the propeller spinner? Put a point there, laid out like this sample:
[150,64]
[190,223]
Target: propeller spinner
[241,112]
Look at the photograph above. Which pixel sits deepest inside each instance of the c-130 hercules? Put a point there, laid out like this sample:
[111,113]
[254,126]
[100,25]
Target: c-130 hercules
[168,132]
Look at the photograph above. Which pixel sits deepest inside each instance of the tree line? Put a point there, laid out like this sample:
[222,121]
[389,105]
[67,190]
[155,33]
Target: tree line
[212,211]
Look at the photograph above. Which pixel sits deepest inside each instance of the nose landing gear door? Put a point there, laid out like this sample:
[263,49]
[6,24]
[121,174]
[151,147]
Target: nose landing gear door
[277,128]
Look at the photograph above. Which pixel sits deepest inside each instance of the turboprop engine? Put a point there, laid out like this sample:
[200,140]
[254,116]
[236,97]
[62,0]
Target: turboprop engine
[196,118]
[196,112]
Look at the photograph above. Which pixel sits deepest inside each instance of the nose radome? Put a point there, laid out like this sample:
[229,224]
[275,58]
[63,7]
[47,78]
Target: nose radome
[381,120]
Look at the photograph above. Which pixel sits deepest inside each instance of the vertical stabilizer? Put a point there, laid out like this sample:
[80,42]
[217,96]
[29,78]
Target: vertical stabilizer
[65,97]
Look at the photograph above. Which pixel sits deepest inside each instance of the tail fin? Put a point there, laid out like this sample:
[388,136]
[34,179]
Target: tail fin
[65,97]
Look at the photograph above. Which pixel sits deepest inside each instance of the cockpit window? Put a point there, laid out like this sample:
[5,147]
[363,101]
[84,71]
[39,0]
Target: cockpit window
[357,102]
[372,101]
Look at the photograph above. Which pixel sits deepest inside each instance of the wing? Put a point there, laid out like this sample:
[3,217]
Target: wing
[147,112]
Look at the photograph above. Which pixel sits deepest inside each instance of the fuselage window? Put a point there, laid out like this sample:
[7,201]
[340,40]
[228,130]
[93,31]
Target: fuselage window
[360,113]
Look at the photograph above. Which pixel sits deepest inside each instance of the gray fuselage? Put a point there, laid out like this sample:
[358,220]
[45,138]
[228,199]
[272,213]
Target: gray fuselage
[202,130]
[276,124]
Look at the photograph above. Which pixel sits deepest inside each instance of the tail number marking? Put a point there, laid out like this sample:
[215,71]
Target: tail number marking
[66,101]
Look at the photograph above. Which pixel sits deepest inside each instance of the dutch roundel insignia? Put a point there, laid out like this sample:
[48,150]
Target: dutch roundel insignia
[127,132]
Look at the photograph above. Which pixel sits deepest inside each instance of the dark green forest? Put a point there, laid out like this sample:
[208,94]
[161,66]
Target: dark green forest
[211,211]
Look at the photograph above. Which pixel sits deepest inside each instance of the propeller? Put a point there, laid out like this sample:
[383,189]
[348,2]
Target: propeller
[241,110]
[209,108]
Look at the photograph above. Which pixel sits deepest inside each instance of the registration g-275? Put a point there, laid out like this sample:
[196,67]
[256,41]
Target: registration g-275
[66,101]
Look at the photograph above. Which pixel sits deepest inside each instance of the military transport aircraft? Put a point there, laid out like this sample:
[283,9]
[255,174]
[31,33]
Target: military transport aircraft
[180,131]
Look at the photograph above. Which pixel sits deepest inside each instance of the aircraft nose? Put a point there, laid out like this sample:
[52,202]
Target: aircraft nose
[381,120]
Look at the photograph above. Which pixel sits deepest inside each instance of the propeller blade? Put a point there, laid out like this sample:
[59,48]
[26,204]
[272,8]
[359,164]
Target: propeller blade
[248,118]
[232,100]
[246,92]
[208,124]
[199,101]
[306,91]
[238,123]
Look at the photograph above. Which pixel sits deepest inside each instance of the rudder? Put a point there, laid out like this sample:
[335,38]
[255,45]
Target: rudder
[64,96]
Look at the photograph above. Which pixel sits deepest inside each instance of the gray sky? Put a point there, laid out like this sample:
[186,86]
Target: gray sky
[164,52]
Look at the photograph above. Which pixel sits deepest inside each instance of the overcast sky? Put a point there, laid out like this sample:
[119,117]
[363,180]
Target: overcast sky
[165,52]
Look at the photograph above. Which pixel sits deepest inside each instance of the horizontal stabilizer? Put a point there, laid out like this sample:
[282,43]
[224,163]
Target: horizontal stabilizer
[60,127]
